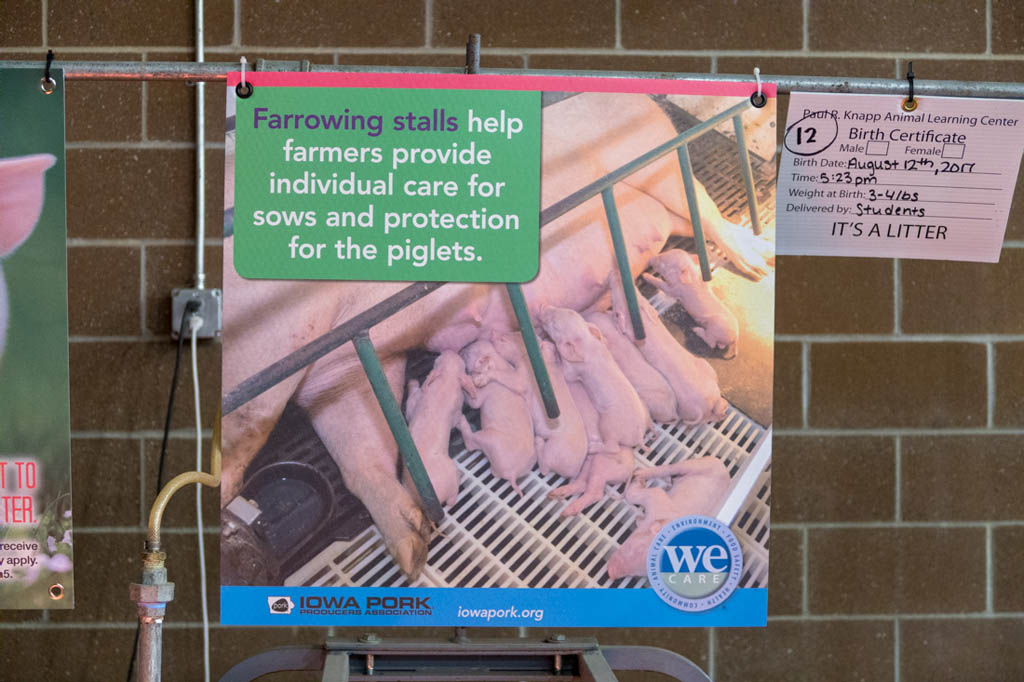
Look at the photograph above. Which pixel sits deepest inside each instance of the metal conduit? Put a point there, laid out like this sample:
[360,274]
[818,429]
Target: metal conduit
[211,71]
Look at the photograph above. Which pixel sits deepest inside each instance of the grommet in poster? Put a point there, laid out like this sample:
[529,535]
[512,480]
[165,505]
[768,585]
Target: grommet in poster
[47,84]
[758,99]
[910,104]
[243,89]
[56,591]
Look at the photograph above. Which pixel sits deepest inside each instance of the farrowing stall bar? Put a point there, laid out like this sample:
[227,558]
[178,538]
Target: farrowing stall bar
[214,71]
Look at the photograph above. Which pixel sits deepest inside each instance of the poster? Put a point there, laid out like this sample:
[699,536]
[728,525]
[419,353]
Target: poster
[646,502]
[36,556]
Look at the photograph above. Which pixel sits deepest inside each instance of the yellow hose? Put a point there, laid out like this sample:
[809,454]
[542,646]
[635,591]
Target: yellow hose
[212,479]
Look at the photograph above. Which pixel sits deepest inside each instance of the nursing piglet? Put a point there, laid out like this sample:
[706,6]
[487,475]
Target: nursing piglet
[699,487]
[506,433]
[623,417]
[432,411]
[693,379]
[650,385]
[561,443]
[680,278]
[599,468]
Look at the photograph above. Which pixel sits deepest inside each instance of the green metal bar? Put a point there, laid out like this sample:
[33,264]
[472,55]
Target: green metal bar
[691,198]
[540,370]
[748,176]
[622,259]
[396,422]
[570,202]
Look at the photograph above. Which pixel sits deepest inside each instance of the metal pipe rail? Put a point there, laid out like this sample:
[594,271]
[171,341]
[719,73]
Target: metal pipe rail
[213,71]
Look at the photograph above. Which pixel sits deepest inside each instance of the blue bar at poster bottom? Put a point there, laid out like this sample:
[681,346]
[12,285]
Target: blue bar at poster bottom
[478,607]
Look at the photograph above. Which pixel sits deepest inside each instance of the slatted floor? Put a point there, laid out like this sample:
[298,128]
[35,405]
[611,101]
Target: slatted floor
[494,538]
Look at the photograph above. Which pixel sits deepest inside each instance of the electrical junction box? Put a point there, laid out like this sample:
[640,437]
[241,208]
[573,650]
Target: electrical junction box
[210,310]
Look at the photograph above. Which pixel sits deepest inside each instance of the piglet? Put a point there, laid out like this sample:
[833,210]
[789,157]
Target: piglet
[650,385]
[623,417]
[432,411]
[693,380]
[599,468]
[561,443]
[699,487]
[506,433]
[681,279]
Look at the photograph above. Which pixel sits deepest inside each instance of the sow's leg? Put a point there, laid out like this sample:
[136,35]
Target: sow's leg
[351,425]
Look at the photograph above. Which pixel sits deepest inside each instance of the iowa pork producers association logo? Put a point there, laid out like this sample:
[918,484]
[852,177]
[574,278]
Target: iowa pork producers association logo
[281,605]
[694,563]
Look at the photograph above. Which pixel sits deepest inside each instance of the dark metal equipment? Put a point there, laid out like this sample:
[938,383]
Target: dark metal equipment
[555,659]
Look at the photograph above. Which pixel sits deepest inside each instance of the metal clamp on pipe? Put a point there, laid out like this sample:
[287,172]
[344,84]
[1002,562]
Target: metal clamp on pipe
[152,595]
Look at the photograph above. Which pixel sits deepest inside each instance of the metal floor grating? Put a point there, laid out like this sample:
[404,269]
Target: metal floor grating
[492,537]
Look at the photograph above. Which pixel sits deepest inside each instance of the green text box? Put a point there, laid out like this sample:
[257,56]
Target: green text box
[387,184]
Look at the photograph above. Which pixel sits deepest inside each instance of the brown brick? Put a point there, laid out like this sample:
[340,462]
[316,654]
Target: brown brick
[947,296]
[103,111]
[1007,19]
[758,25]
[493,61]
[621,62]
[787,401]
[171,106]
[833,295]
[899,26]
[556,23]
[20,23]
[964,69]
[27,616]
[49,655]
[1009,379]
[1009,568]
[171,111]
[896,570]
[119,386]
[811,651]
[981,70]
[115,462]
[333,23]
[833,479]
[170,267]
[136,23]
[117,193]
[873,385]
[786,573]
[962,478]
[97,306]
[808,66]
[214,208]
[183,570]
[961,650]
[105,564]
[181,457]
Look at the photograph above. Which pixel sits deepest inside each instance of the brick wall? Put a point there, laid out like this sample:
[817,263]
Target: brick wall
[898,537]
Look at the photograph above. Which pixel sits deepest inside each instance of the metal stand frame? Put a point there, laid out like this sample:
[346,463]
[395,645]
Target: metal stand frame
[460,659]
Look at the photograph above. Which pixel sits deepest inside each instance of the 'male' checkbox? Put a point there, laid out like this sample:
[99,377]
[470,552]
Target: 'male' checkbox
[952,151]
[877,148]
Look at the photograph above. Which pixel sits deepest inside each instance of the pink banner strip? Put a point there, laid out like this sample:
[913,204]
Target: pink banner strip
[459,81]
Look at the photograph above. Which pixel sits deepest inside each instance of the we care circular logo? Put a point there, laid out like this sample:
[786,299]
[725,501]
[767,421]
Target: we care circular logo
[694,563]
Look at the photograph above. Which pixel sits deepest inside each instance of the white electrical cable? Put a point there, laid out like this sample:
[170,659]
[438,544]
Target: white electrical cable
[194,323]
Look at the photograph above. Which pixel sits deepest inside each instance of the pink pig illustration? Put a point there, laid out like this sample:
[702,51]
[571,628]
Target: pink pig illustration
[21,202]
